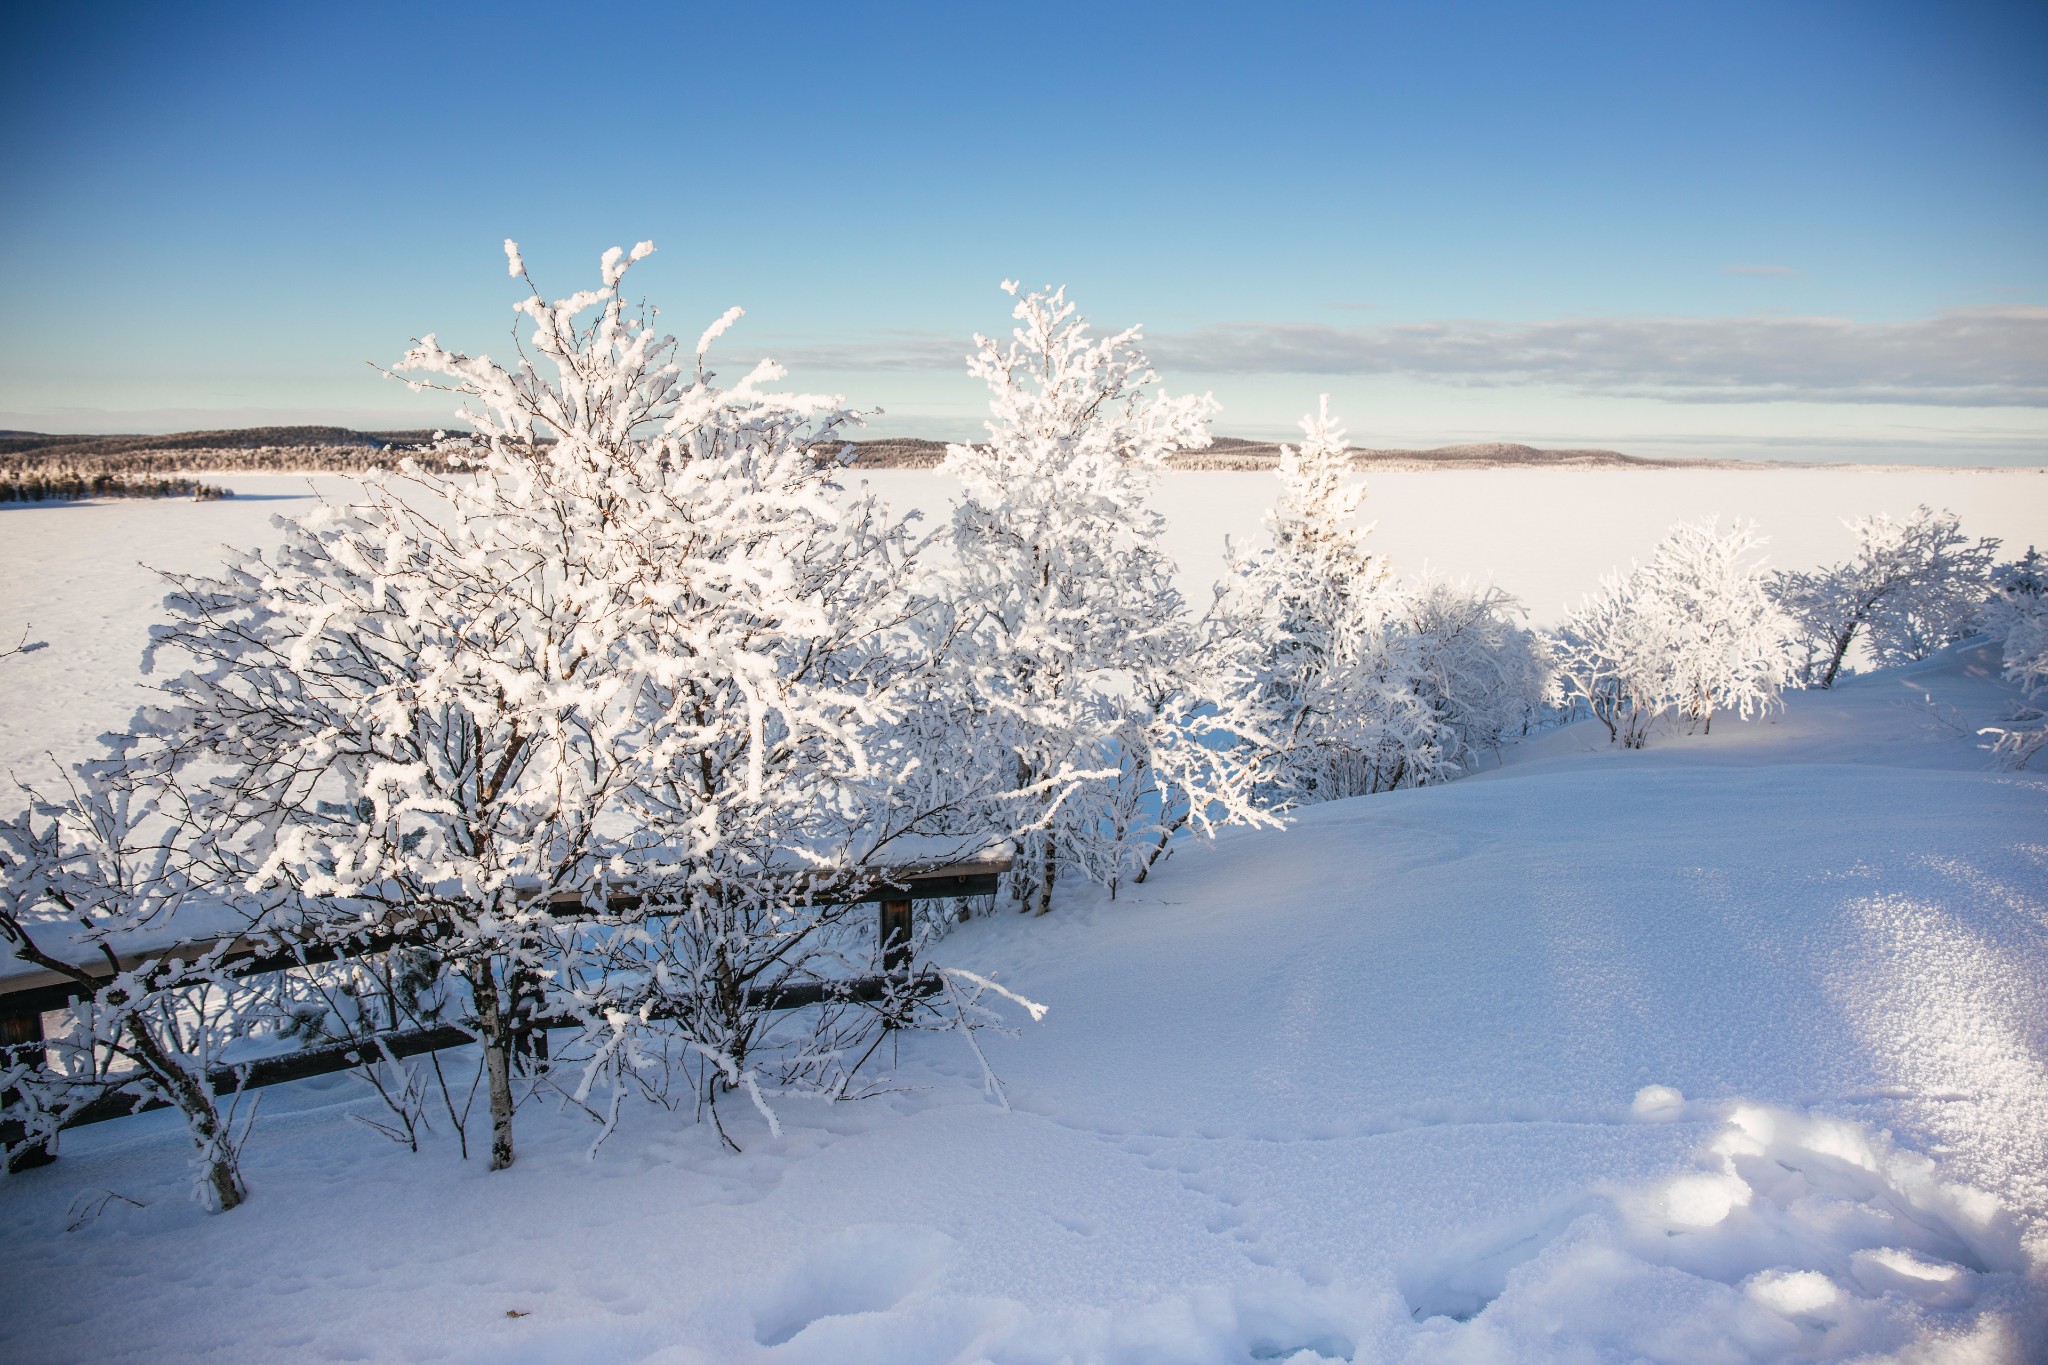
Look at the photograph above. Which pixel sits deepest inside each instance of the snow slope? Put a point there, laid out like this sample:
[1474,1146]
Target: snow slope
[1728,1049]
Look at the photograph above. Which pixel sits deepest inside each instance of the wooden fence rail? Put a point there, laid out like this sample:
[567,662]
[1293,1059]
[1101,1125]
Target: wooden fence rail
[26,995]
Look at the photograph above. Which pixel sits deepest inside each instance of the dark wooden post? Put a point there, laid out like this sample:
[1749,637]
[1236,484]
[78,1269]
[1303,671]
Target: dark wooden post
[529,1039]
[21,1040]
[895,936]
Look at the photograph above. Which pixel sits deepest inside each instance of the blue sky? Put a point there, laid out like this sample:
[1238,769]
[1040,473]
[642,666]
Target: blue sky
[1789,229]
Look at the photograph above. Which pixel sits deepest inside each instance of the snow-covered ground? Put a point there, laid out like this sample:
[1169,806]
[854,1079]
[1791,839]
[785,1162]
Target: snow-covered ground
[76,575]
[1732,1048]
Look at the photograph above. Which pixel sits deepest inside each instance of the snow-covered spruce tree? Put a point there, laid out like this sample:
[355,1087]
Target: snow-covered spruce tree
[1336,667]
[76,874]
[1117,716]
[1912,587]
[1693,631]
[632,644]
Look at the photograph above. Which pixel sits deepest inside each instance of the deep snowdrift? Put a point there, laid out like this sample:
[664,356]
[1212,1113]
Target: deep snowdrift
[1733,1048]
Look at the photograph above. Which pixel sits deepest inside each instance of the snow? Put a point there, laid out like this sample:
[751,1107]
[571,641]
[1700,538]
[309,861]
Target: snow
[1727,1049]
[1547,535]
[1731,1048]
[76,575]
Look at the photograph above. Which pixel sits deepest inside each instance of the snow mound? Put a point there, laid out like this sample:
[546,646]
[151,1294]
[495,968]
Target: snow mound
[1795,1237]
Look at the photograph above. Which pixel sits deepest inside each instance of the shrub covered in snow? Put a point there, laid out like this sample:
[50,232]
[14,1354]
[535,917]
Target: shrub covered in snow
[1482,675]
[102,860]
[2018,612]
[1912,587]
[1692,632]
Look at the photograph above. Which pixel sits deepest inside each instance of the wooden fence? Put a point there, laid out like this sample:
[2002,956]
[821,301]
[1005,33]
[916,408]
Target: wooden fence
[30,992]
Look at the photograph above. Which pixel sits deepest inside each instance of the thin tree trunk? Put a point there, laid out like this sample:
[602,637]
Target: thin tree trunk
[493,1028]
[1047,868]
[1841,652]
[1158,851]
[195,1100]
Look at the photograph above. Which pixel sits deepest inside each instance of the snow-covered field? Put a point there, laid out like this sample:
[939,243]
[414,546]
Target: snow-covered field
[1733,1048]
[76,575]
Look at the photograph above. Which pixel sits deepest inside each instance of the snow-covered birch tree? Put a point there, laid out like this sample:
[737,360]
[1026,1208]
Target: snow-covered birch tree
[1732,646]
[1912,587]
[1613,652]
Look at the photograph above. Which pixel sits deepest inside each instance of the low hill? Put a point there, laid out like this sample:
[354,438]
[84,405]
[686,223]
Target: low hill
[1233,453]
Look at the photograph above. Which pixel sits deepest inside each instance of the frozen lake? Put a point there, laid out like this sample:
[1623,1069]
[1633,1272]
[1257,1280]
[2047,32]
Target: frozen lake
[80,576]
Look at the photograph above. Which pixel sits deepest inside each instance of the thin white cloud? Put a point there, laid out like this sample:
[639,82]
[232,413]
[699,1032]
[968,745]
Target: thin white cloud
[1967,357]
[891,349]
[1758,270]
[1987,356]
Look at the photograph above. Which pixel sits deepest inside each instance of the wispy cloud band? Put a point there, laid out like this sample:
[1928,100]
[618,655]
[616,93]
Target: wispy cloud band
[1984,356]
[1990,356]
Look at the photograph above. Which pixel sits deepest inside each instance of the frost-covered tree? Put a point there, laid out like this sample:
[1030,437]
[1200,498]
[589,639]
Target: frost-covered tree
[1732,644]
[77,874]
[1081,670]
[1912,587]
[1692,632]
[2015,589]
[1613,656]
[638,643]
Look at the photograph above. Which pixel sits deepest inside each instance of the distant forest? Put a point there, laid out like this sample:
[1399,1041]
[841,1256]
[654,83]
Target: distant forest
[61,485]
[38,467]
